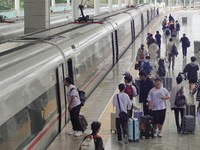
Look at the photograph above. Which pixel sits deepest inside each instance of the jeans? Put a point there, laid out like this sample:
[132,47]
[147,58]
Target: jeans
[171,58]
[74,115]
[176,114]
[124,126]
[184,51]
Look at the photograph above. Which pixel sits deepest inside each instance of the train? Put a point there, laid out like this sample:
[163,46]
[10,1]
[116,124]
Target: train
[33,103]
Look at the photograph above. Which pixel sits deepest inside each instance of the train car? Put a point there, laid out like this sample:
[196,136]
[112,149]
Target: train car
[33,97]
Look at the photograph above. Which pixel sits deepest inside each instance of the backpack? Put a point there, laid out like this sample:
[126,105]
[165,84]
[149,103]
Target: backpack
[178,27]
[167,32]
[129,90]
[88,143]
[146,67]
[161,70]
[174,50]
[81,96]
[136,87]
[180,99]
[188,43]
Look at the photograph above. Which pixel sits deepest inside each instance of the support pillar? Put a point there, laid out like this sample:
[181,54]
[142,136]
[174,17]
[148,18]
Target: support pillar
[190,3]
[36,15]
[145,1]
[68,2]
[53,3]
[155,2]
[126,3]
[109,5]
[138,1]
[184,4]
[75,10]
[119,4]
[17,7]
[96,7]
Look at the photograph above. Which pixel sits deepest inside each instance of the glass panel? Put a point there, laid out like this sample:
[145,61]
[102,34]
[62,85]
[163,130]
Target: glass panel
[19,130]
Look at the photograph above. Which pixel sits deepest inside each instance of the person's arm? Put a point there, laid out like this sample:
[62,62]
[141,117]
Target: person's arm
[134,91]
[149,98]
[71,102]
[185,70]
[166,97]
[196,87]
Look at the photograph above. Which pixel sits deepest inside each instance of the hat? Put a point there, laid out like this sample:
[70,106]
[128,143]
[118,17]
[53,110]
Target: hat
[126,73]
[142,45]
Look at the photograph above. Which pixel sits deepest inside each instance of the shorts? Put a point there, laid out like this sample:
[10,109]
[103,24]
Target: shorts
[193,81]
[159,116]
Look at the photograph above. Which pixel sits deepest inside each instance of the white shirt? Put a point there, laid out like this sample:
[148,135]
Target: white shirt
[74,92]
[125,103]
[155,96]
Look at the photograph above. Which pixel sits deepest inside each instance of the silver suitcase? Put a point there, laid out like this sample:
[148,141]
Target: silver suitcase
[112,122]
[188,124]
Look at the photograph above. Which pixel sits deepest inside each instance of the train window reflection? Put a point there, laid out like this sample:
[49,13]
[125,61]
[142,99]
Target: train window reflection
[23,127]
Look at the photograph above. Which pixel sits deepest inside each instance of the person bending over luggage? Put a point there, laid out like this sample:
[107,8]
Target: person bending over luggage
[191,70]
[125,103]
[98,142]
[74,106]
[157,103]
[147,66]
[131,91]
[146,84]
[177,109]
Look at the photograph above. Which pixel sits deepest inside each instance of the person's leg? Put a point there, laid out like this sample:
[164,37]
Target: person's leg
[130,112]
[118,127]
[173,62]
[176,114]
[76,122]
[190,88]
[185,51]
[161,120]
[145,109]
[182,111]
[169,60]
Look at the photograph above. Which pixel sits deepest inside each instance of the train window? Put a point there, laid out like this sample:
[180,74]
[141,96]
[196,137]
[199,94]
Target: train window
[18,131]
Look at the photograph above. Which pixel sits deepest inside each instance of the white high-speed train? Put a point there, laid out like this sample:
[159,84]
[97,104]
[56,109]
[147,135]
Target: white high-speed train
[33,98]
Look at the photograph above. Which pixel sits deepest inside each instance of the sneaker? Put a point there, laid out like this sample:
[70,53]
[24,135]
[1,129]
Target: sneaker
[78,133]
[126,138]
[159,134]
[155,134]
[71,132]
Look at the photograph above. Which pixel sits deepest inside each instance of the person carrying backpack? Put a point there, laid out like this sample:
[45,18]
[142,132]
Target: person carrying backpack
[141,54]
[73,107]
[131,91]
[185,44]
[171,56]
[147,66]
[93,141]
[161,68]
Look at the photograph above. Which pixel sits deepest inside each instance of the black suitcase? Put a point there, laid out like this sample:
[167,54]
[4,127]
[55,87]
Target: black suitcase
[83,122]
[188,125]
[146,127]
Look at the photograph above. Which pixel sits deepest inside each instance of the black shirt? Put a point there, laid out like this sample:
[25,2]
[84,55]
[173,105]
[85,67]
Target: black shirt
[184,41]
[145,87]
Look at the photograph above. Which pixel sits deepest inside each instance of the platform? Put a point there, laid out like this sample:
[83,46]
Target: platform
[99,105]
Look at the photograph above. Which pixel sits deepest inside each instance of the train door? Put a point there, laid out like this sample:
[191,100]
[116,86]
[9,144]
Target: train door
[133,30]
[113,48]
[148,20]
[61,97]
[70,69]
[142,22]
[116,46]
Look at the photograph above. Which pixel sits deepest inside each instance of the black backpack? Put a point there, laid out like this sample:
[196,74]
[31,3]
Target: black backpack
[167,32]
[81,96]
[174,50]
[161,70]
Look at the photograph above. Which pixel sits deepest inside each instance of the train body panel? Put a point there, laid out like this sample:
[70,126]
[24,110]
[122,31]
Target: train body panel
[33,97]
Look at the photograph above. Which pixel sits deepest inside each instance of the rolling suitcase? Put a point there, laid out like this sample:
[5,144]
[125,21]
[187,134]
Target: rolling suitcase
[188,125]
[83,122]
[174,33]
[133,130]
[191,110]
[146,126]
[167,83]
[112,122]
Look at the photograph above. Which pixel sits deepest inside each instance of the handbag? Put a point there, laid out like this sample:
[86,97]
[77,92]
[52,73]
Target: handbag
[180,99]
[122,115]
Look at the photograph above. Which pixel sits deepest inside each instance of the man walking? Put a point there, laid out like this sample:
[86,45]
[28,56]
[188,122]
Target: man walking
[157,103]
[185,44]
[191,70]
[146,84]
